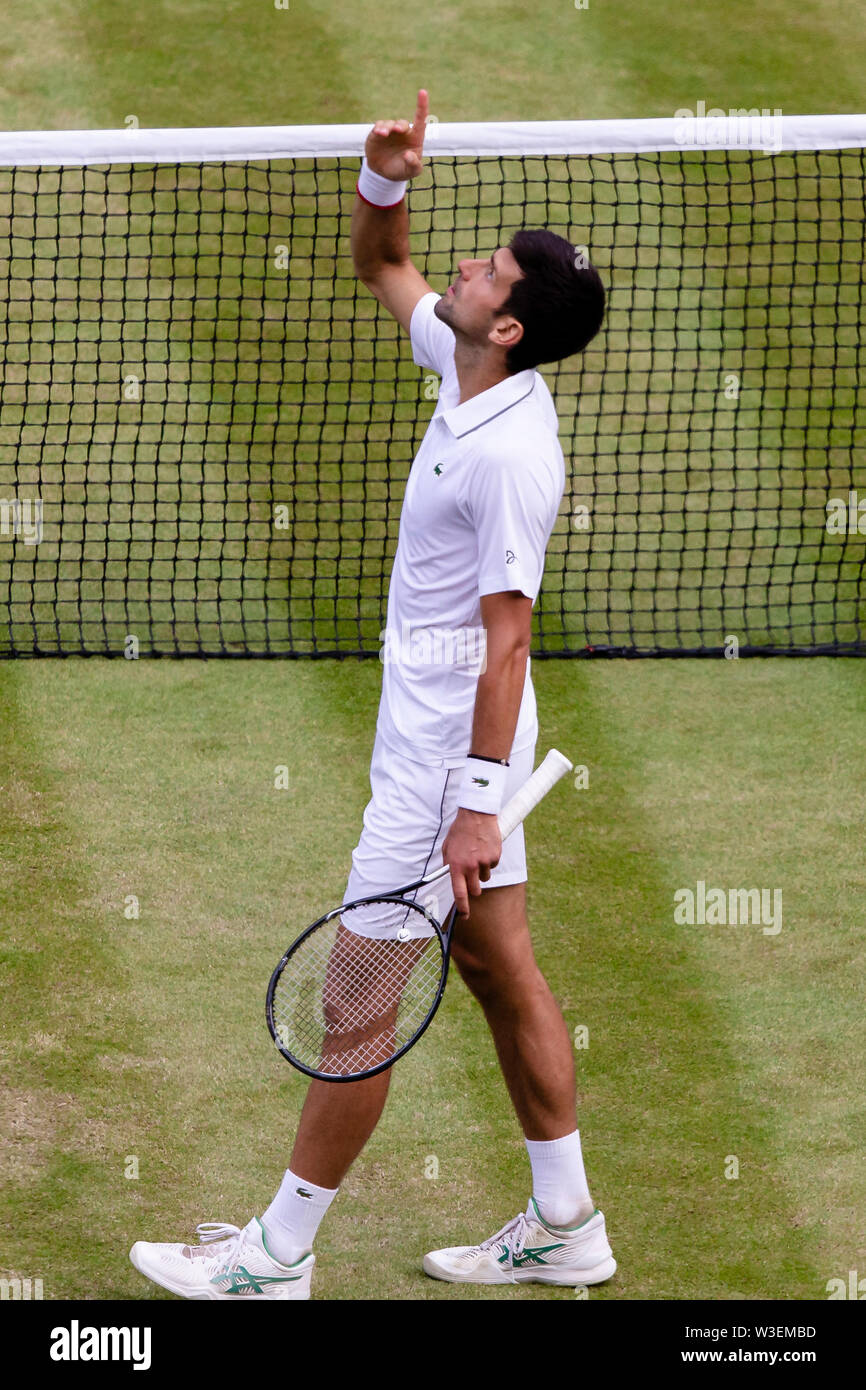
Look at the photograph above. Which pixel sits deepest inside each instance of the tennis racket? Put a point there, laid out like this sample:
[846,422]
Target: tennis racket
[359,987]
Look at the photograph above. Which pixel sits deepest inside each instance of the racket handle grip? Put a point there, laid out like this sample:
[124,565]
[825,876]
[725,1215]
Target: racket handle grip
[545,776]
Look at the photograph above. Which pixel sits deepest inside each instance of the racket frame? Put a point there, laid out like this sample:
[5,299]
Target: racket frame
[399,898]
[546,775]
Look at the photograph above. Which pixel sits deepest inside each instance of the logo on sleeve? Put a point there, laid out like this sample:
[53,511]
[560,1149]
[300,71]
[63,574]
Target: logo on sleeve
[509,557]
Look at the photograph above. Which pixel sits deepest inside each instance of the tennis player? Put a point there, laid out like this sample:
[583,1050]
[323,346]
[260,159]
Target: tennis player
[455,739]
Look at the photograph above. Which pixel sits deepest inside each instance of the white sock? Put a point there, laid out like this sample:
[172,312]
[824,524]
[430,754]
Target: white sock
[559,1183]
[293,1218]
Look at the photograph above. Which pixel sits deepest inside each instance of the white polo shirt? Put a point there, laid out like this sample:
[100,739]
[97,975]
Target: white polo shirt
[481,500]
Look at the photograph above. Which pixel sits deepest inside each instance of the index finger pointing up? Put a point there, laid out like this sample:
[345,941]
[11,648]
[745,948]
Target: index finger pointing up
[421,112]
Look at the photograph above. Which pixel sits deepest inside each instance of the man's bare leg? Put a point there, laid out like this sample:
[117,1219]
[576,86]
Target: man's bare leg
[493,952]
[336,1122]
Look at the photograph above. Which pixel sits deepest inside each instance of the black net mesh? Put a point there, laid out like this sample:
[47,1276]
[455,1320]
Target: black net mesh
[206,422]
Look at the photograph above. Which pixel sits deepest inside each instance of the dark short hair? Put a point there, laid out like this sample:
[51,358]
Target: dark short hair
[559,300]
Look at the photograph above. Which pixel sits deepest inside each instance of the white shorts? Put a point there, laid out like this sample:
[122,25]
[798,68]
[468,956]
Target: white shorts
[406,822]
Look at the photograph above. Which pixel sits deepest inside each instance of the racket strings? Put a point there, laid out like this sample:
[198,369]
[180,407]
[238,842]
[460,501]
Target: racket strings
[347,1002]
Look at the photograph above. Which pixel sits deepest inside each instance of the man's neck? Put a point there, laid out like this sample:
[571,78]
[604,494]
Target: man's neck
[476,373]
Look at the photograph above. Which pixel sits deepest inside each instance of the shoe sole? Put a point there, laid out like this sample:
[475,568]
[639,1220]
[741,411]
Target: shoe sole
[208,1295]
[597,1274]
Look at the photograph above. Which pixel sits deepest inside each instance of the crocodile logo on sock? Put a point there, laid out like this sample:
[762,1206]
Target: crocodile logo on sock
[302,1192]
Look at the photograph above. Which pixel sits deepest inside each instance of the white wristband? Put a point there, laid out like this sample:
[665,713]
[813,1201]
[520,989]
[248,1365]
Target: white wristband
[375,189]
[483,787]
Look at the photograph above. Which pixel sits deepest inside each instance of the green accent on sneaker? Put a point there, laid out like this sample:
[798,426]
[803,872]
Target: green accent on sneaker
[240,1280]
[272,1256]
[532,1255]
[580,1224]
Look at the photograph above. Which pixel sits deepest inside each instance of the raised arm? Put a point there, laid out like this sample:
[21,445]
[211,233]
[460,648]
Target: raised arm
[380,235]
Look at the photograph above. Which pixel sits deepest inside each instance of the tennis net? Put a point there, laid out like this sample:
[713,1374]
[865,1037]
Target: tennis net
[206,421]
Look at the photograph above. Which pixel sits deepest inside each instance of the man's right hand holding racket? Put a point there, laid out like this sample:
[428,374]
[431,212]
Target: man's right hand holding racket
[471,850]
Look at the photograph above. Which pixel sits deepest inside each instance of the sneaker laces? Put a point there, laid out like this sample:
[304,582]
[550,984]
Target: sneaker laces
[209,1233]
[513,1237]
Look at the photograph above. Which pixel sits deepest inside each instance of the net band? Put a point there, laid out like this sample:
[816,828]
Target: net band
[221,144]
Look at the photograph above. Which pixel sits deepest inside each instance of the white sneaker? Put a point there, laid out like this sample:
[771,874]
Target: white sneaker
[528,1250]
[229,1263]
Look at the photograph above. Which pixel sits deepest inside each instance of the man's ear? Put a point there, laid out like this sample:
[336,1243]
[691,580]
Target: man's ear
[506,332]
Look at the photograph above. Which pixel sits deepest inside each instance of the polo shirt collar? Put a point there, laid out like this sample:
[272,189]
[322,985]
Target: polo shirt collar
[478,410]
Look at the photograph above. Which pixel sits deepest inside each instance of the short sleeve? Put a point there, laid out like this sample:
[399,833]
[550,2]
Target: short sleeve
[512,502]
[432,340]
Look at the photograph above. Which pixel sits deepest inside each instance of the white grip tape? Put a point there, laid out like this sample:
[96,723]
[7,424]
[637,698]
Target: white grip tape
[555,765]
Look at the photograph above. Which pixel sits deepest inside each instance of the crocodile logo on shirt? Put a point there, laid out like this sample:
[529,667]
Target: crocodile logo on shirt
[438,470]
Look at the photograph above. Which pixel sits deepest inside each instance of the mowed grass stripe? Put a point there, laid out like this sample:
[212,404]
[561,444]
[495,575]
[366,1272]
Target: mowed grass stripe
[166,792]
[75,1064]
[716,1037]
[174,65]
[160,779]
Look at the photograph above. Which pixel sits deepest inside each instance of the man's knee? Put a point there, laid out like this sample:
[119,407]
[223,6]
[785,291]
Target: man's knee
[499,974]
[493,950]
